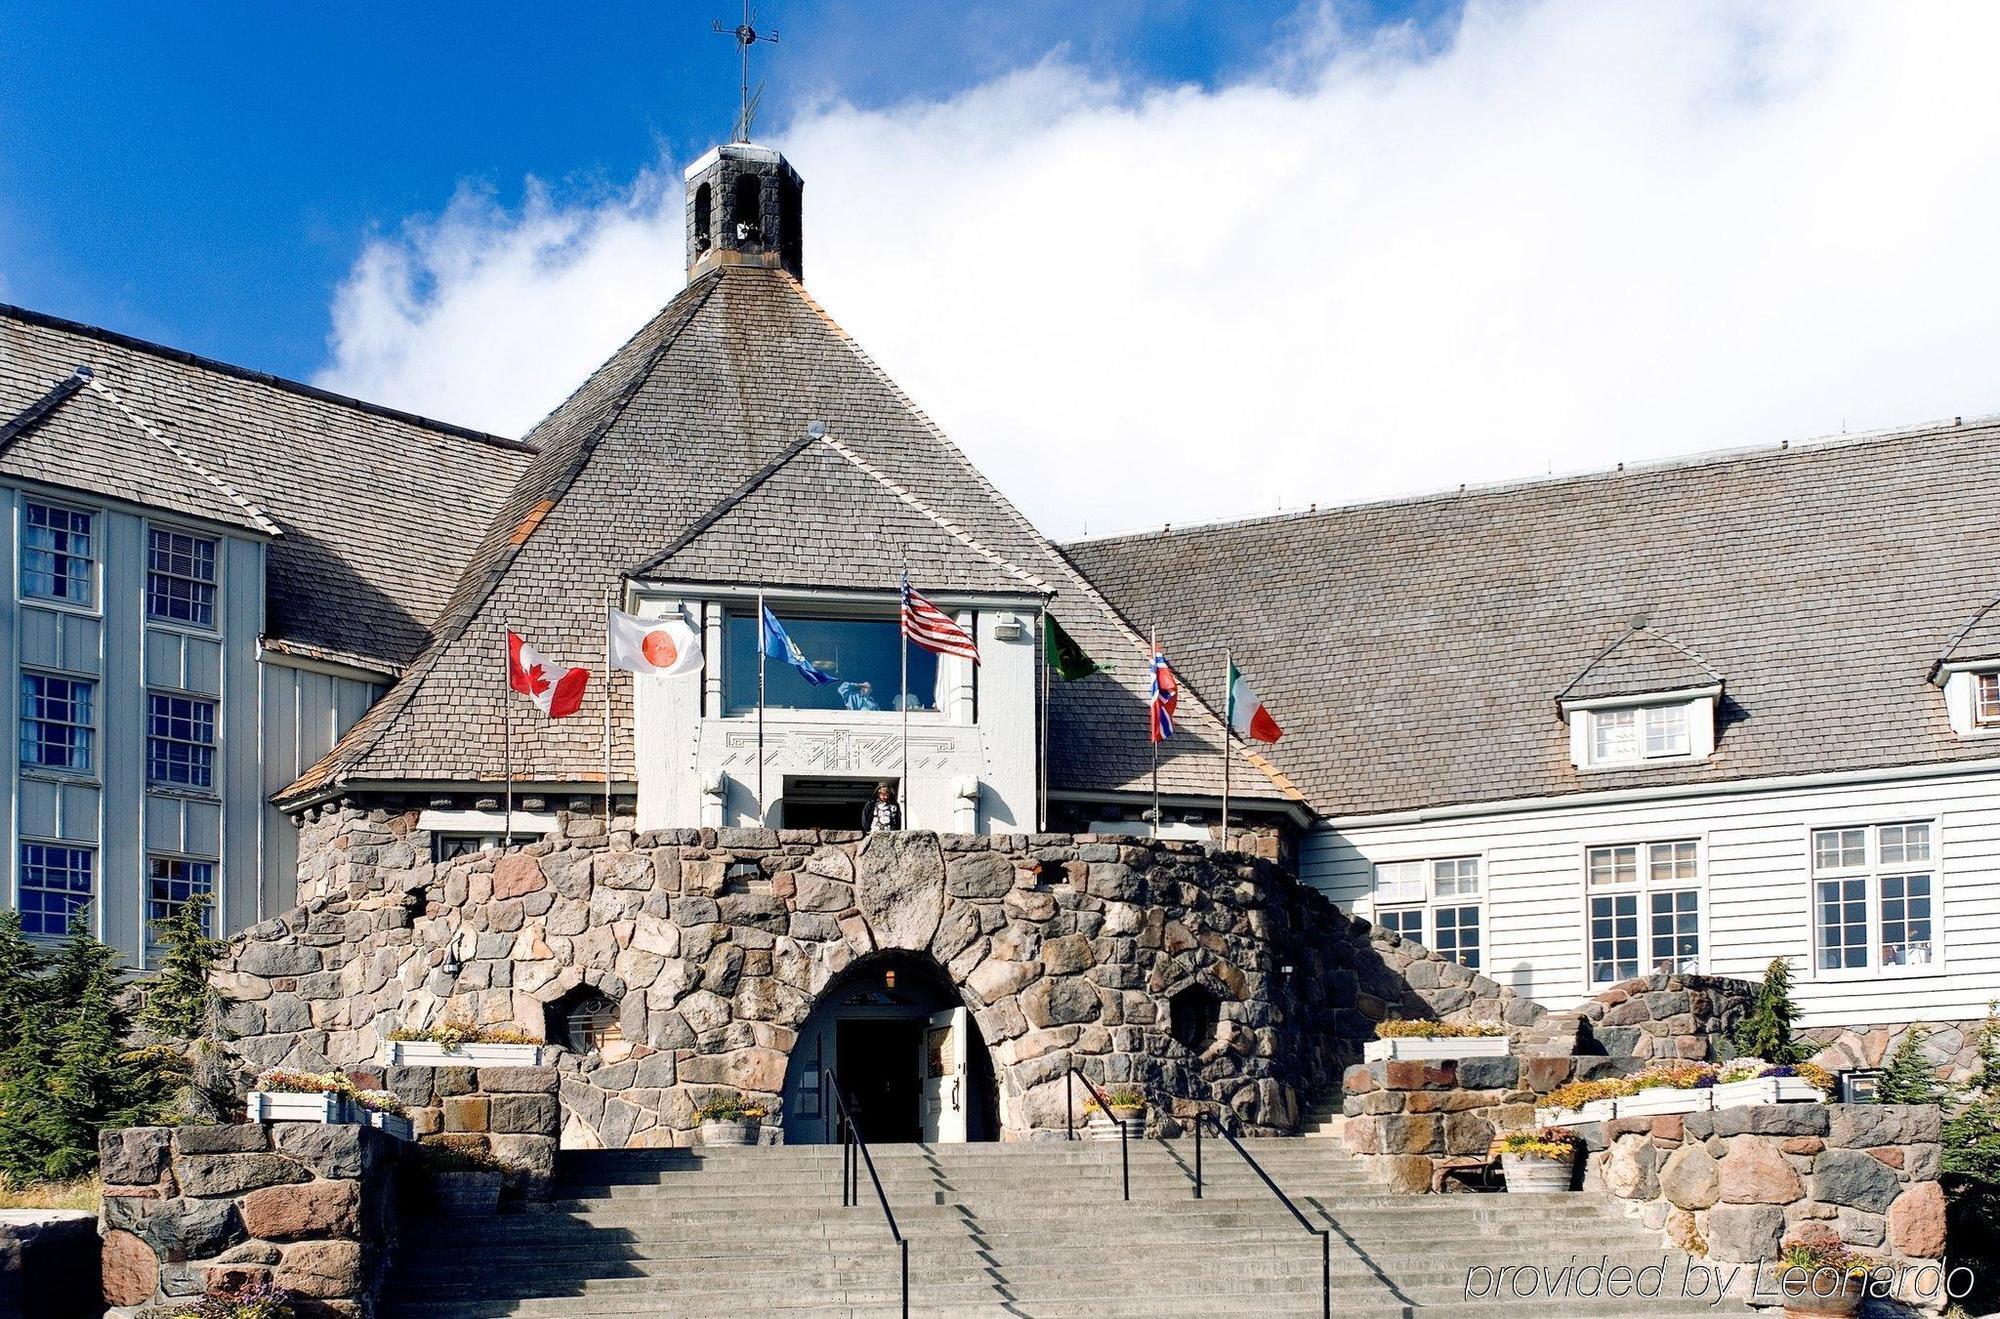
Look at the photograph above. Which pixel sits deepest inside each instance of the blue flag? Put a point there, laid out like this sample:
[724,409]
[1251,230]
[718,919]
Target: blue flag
[779,646]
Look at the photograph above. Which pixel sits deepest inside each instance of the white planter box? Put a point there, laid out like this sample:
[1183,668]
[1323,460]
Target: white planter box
[399,1127]
[422,1053]
[1661,1102]
[1768,1090]
[271,1106]
[1398,1047]
[1597,1110]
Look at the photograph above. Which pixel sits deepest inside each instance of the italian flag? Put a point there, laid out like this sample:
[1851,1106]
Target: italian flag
[1247,714]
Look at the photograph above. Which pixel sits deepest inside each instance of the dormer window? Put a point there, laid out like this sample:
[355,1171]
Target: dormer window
[1629,736]
[1644,700]
[1986,700]
[1971,698]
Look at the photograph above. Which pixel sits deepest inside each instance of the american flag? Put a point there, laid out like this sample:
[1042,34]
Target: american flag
[932,628]
[1166,694]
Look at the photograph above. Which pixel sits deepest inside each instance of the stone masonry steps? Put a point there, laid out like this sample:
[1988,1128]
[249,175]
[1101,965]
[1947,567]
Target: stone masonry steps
[1027,1229]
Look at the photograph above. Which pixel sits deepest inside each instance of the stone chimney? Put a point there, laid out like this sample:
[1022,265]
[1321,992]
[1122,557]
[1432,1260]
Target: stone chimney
[743,209]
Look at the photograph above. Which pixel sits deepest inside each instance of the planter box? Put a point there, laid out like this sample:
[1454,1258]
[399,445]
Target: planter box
[271,1106]
[1660,1102]
[1597,1110]
[1528,1175]
[730,1133]
[466,1192]
[422,1053]
[1398,1047]
[1101,1127]
[1768,1090]
[399,1127]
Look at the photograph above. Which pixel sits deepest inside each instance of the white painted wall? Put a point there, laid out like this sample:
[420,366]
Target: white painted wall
[972,765]
[306,709]
[1755,878]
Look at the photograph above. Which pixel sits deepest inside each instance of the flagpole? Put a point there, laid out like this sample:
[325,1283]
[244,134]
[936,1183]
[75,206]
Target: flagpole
[903,694]
[1228,733]
[507,738]
[762,642]
[607,710]
[1153,730]
[1042,729]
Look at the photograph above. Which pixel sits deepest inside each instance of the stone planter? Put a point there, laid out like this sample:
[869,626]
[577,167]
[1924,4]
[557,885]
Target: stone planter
[1528,1175]
[1768,1090]
[469,1192]
[1662,1101]
[274,1106]
[390,1123]
[1817,1297]
[740,1131]
[1398,1047]
[423,1053]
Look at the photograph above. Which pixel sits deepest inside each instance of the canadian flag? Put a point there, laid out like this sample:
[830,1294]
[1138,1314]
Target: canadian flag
[556,692]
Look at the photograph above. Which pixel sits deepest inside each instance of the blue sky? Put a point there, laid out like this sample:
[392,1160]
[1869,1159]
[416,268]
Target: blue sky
[207,174]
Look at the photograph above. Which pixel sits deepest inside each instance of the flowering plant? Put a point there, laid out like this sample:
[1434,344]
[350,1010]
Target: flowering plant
[257,1301]
[731,1108]
[1548,1143]
[1436,1030]
[381,1101]
[1123,1096]
[278,1081]
[451,1033]
[1674,1076]
[1815,1257]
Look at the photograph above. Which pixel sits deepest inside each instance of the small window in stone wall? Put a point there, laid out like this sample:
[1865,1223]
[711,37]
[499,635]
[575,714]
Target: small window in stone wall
[1194,1014]
[589,1023]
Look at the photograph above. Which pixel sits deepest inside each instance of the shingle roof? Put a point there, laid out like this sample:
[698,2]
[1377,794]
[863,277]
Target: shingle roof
[720,384]
[1411,648]
[1640,661]
[1977,640]
[375,511]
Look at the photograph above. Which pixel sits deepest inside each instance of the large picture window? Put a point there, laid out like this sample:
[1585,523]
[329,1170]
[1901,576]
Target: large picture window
[1874,897]
[56,554]
[1644,903]
[863,656]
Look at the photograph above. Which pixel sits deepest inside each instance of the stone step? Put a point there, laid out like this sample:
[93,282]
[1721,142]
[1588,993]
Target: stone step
[1053,1205]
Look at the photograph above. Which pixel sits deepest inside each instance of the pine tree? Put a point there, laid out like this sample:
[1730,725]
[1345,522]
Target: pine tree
[1766,1029]
[177,1004]
[88,1080]
[21,996]
[1910,1077]
[1972,1135]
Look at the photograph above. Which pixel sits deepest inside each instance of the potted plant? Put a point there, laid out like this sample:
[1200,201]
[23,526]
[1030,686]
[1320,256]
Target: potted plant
[452,1043]
[285,1096]
[382,1110]
[1538,1162]
[256,1300]
[728,1120]
[1128,1113]
[1820,1278]
[464,1175]
[1435,1039]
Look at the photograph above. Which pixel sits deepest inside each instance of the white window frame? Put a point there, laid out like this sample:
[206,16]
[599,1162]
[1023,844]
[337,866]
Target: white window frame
[1643,887]
[1961,685]
[94,561]
[92,728]
[218,602]
[1421,887]
[1870,872]
[1693,709]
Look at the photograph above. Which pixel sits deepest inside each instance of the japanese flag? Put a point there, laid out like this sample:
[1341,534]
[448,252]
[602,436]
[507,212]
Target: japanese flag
[556,692]
[665,646]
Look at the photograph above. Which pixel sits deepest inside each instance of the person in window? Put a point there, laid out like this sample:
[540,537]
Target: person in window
[858,695]
[883,814]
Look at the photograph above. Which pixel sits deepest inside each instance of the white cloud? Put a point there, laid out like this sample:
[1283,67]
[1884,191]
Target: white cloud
[1570,235]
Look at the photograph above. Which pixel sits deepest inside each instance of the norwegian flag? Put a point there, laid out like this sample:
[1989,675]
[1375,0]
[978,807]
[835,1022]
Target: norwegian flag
[556,692]
[1166,694]
[932,628]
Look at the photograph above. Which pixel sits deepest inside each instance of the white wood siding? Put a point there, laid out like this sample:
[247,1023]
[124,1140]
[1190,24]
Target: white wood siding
[1756,885]
[305,712]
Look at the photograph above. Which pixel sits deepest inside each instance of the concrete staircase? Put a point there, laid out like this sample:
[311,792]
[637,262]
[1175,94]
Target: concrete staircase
[1023,1229]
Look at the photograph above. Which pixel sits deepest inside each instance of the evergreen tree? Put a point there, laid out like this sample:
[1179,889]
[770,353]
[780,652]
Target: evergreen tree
[21,996]
[1972,1135]
[1910,1077]
[1766,1029]
[24,1040]
[177,1004]
[71,1077]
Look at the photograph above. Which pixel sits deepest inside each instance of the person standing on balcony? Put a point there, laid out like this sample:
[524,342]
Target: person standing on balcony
[883,814]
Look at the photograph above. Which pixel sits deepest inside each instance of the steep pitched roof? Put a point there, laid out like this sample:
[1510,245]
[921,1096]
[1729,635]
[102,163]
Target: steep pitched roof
[373,510]
[1978,640]
[1411,647]
[1638,662]
[674,434]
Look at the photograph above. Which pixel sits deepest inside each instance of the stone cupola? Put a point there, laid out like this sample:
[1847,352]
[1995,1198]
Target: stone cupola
[743,209]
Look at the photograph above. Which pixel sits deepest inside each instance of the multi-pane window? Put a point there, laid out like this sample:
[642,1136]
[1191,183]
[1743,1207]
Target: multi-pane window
[445,847]
[1874,896]
[56,722]
[55,882]
[1986,700]
[180,578]
[1647,733]
[1656,881]
[171,881]
[1443,892]
[180,740]
[56,555]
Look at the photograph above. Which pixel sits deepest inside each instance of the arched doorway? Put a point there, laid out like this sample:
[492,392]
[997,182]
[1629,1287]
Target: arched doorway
[907,1052]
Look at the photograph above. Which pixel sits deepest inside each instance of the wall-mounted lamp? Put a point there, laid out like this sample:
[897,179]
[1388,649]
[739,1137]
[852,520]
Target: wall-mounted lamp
[1861,1085]
[889,978]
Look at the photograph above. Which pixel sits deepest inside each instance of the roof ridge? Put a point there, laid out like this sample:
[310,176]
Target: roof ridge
[455,621]
[720,509]
[1809,446]
[1082,583]
[257,516]
[1958,637]
[31,416]
[1625,636]
[250,374]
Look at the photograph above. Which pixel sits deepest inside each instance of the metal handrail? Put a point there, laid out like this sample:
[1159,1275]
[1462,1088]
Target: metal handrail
[1325,1235]
[850,1178]
[1104,1106]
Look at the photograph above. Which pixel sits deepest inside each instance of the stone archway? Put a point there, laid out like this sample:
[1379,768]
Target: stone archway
[906,1050]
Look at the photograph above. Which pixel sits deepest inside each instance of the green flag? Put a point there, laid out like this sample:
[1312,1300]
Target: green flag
[1067,660]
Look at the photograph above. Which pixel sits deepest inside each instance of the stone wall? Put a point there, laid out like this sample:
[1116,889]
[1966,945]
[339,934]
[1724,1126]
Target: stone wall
[1732,1184]
[715,944]
[1952,1047]
[48,1264]
[1668,1017]
[510,1111]
[307,1206]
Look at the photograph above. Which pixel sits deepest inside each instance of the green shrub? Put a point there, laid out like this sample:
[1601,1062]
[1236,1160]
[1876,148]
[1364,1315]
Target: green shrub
[1910,1077]
[1766,1029]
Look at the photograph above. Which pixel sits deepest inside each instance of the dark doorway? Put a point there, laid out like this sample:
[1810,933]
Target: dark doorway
[826,803]
[880,1074]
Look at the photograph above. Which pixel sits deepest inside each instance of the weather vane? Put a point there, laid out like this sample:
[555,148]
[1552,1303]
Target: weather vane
[746,35]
